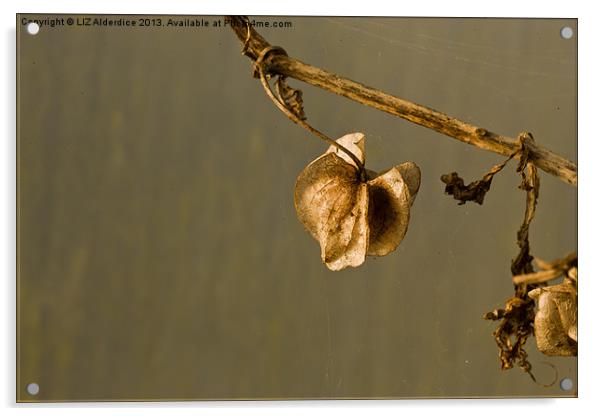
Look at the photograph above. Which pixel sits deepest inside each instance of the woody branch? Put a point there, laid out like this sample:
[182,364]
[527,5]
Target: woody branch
[477,136]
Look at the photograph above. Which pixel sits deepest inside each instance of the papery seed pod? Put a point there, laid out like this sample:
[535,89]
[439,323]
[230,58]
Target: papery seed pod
[556,319]
[351,218]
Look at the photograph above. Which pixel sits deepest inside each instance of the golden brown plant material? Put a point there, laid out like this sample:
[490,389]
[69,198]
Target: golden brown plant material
[351,217]
[556,317]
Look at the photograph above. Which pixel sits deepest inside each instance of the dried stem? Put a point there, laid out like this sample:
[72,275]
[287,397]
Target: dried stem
[530,184]
[424,116]
[549,270]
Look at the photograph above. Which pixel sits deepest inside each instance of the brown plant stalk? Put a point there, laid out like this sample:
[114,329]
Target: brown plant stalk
[482,138]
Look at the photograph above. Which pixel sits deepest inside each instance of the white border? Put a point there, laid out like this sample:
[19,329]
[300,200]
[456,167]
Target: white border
[589,223]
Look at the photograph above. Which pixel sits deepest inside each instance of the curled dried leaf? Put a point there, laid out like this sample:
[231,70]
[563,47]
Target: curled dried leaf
[474,191]
[292,97]
[351,217]
[556,319]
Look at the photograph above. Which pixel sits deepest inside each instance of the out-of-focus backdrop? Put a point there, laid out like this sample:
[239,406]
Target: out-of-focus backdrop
[159,254]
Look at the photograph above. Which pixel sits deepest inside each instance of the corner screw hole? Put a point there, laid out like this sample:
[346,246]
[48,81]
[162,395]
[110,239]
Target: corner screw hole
[566,32]
[33,28]
[566,384]
[33,389]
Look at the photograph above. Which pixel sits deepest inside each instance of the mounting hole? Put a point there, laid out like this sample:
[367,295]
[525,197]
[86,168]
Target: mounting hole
[566,32]
[33,388]
[566,384]
[32,28]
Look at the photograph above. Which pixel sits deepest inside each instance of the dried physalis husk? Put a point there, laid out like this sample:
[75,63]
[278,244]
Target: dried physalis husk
[556,318]
[351,218]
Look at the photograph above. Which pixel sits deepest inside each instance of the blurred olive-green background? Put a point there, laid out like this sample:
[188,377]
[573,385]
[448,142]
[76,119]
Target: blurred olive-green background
[159,254]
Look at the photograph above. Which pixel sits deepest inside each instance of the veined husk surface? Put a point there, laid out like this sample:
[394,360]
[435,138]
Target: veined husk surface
[353,218]
[555,322]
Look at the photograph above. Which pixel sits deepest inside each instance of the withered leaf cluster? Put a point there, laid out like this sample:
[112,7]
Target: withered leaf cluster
[353,217]
[553,319]
[474,191]
[513,331]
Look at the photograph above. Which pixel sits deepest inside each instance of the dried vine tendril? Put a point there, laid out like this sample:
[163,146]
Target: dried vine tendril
[516,319]
[296,114]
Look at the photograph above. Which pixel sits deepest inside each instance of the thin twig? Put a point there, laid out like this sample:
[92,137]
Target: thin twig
[477,136]
[548,270]
[536,277]
[567,262]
